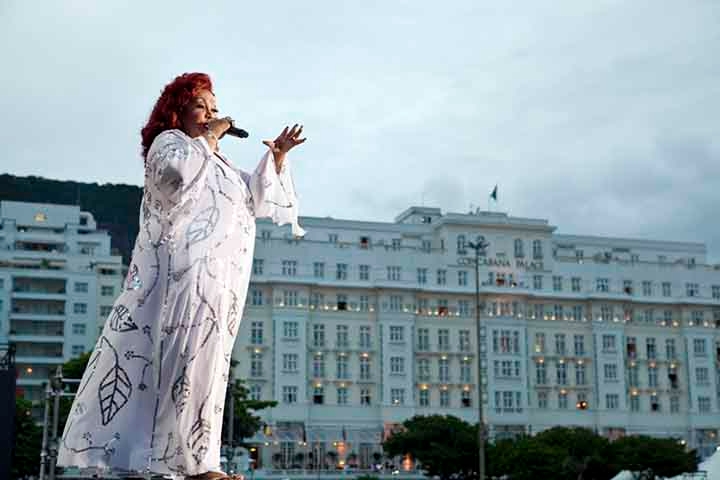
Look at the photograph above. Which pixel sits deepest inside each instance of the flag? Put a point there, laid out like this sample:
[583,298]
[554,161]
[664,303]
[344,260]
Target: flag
[493,195]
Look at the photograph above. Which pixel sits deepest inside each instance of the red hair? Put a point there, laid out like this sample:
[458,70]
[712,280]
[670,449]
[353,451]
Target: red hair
[168,109]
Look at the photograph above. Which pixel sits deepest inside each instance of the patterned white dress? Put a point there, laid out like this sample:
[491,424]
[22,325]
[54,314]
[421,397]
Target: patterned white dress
[153,393]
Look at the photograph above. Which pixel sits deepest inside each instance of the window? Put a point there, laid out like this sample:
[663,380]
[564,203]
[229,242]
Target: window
[341,302]
[715,292]
[318,269]
[577,313]
[443,370]
[393,273]
[558,313]
[255,392]
[579,341]
[364,303]
[256,297]
[290,362]
[560,343]
[341,271]
[318,395]
[464,308]
[539,342]
[78,350]
[519,251]
[441,277]
[462,278]
[397,396]
[670,352]
[508,402]
[105,310]
[466,399]
[423,344]
[396,243]
[580,377]
[539,311]
[692,289]
[423,369]
[650,348]
[78,329]
[443,339]
[540,373]
[290,298]
[319,335]
[397,333]
[668,317]
[364,368]
[395,303]
[341,367]
[461,245]
[633,376]
[365,341]
[364,272]
[80,308]
[341,336]
[290,329]
[265,235]
[397,365]
[699,347]
[365,242]
[332,238]
[561,373]
[612,401]
[506,369]
[537,250]
[318,365]
[422,276]
[81,287]
[444,398]
[602,285]
[674,404]
[704,404]
[256,367]
[256,333]
[365,397]
[652,377]
[575,284]
[610,370]
[317,300]
[426,246]
[107,290]
[289,268]
[464,340]
[557,283]
[666,289]
[634,403]
[542,400]
[537,282]
[647,288]
[258,266]
[465,370]
[702,376]
[608,343]
[562,400]
[342,396]
[506,341]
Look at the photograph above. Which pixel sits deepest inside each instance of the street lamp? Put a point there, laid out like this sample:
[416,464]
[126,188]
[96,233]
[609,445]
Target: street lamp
[479,246]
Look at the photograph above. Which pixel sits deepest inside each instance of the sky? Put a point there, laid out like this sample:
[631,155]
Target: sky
[601,116]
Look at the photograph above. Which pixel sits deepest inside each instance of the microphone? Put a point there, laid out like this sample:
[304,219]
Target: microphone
[237,132]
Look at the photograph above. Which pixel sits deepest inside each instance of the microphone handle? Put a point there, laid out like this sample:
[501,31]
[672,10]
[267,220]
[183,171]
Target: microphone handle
[237,132]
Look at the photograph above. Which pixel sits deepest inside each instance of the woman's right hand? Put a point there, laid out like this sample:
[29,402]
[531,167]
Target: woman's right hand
[216,128]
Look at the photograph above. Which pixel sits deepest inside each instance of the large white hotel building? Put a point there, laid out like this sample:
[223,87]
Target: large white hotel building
[58,281]
[361,325]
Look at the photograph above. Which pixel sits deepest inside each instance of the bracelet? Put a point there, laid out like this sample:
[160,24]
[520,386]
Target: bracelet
[210,133]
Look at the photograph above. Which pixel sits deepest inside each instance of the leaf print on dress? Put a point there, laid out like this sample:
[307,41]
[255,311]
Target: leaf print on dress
[120,320]
[180,392]
[204,223]
[199,439]
[115,388]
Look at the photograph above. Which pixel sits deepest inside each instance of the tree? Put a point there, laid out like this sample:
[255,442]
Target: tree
[27,441]
[444,445]
[663,457]
[245,423]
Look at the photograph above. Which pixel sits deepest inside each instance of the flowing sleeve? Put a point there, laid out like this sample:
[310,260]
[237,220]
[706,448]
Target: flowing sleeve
[175,166]
[274,194]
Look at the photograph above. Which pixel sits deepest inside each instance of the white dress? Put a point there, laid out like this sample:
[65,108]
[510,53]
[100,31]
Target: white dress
[153,393]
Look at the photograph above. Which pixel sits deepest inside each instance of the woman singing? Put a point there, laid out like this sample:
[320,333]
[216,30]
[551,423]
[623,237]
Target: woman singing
[152,396]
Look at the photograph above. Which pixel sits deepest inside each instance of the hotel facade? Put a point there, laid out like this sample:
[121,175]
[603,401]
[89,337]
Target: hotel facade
[58,281]
[361,325]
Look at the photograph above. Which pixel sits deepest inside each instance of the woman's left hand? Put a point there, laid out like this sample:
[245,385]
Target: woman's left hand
[286,141]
